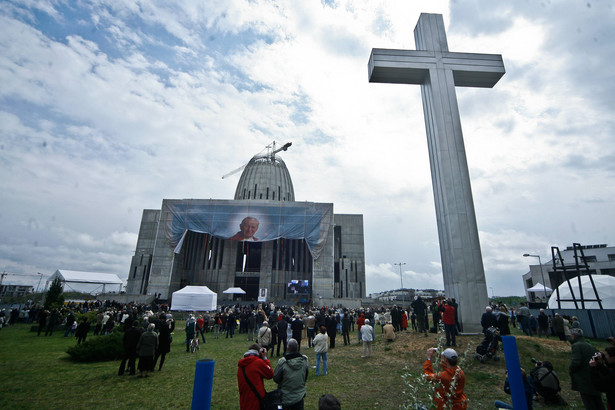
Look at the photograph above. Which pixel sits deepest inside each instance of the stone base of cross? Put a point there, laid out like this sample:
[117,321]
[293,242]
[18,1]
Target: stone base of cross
[438,71]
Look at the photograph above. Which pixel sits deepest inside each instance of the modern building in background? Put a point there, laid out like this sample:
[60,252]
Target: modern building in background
[296,251]
[8,289]
[600,260]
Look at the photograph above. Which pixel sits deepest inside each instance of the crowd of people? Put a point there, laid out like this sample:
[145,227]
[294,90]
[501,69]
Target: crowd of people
[282,330]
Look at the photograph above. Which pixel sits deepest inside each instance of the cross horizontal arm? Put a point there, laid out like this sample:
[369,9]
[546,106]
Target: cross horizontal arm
[399,66]
[473,69]
[412,66]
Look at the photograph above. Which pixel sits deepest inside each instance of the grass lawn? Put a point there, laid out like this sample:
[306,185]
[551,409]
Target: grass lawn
[36,373]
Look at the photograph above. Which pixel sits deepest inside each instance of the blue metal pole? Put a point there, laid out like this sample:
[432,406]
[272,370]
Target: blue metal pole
[513,367]
[203,384]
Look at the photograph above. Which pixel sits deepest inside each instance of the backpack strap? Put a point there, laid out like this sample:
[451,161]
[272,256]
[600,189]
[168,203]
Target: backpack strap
[243,369]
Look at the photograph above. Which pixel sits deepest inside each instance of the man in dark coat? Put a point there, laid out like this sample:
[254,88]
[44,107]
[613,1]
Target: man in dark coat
[82,330]
[70,319]
[42,320]
[488,319]
[164,339]
[602,370]
[346,327]
[282,334]
[331,325]
[130,341]
[543,323]
[231,324]
[297,328]
[579,369]
[420,308]
[558,327]
[53,320]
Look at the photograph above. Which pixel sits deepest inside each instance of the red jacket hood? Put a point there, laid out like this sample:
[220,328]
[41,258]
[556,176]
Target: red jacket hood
[248,360]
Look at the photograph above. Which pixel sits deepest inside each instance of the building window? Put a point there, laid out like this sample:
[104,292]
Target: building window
[612,257]
[610,272]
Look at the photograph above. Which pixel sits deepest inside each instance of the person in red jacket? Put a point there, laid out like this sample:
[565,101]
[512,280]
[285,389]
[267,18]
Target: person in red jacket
[449,383]
[256,367]
[360,322]
[448,318]
[404,321]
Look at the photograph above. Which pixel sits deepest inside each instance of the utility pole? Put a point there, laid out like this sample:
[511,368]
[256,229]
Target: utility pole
[39,280]
[544,286]
[2,275]
[400,275]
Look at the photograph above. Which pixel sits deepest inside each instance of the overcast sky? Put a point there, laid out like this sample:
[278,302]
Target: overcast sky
[107,107]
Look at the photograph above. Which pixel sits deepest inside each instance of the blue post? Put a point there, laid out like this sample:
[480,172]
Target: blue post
[203,384]
[513,366]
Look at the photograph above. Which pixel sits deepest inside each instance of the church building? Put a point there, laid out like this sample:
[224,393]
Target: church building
[263,241]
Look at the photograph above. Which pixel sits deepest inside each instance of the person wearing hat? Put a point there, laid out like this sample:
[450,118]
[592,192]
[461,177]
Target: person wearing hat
[449,382]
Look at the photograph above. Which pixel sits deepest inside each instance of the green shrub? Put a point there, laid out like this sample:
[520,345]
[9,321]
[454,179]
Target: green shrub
[91,315]
[99,348]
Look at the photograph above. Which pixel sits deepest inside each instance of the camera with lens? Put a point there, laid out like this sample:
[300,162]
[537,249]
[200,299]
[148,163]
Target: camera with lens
[598,357]
[537,362]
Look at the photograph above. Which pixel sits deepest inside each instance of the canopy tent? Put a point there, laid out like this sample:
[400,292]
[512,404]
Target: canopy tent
[539,287]
[604,290]
[94,278]
[199,298]
[237,291]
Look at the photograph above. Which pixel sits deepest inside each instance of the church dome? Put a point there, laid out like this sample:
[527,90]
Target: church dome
[265,177]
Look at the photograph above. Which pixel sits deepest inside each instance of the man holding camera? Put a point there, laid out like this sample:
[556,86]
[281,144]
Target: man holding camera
[449,382]
[579,369]
[602,371]
[251,370]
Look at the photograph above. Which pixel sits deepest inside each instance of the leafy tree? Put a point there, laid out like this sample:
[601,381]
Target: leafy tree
[54,297]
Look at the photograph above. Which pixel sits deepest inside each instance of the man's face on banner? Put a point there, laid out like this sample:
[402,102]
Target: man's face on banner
[248,227]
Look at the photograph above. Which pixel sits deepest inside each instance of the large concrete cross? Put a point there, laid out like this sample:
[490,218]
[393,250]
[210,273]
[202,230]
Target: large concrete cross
[438,71]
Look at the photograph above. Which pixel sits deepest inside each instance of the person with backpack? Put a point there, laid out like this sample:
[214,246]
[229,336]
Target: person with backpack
[190,331]
[546,383]
[265,337]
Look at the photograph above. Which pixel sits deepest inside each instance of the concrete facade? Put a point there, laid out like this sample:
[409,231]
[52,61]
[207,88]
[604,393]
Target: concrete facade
[338,272]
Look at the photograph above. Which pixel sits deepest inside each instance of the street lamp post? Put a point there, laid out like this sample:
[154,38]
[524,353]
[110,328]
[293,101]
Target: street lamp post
[400,275]
[39,281]
[541,273]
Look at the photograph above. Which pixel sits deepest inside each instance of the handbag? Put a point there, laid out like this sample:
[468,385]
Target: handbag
[271,400]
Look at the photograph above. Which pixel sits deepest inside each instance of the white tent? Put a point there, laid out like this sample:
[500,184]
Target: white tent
[605,287]
[539,287]
[238,291]
[90,278]
[198,298]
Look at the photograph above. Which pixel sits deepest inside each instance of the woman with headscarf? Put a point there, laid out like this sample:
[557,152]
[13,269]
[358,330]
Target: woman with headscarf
[148,343]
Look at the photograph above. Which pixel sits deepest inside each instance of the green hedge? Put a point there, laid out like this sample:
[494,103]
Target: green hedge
[99,348]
